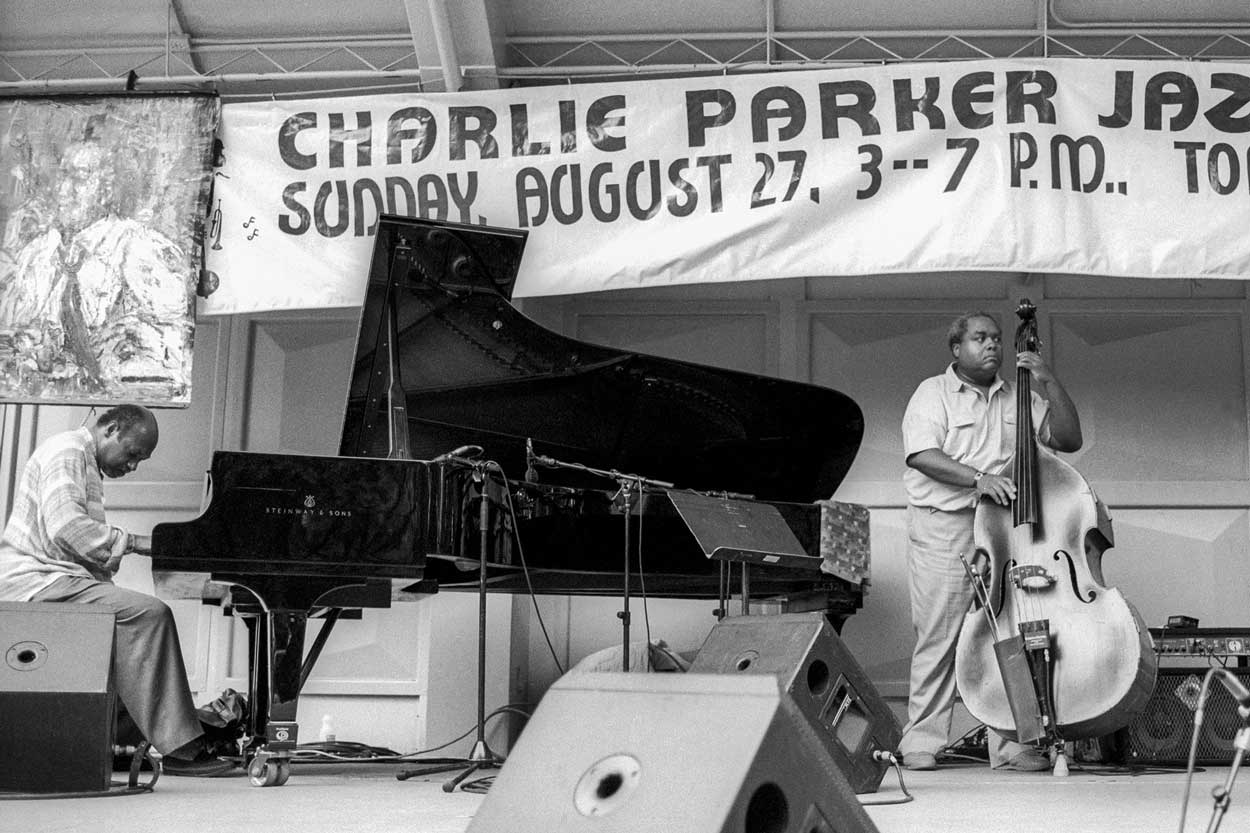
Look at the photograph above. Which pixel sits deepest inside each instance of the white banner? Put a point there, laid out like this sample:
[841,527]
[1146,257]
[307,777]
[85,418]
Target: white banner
[1100,167]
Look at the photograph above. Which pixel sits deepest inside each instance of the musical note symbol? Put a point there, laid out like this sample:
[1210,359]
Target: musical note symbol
[255,232]
[249,222]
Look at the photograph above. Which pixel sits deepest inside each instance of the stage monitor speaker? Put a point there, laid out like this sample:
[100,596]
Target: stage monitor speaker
[1161,734]
[700,753]
[826,682]
[57,705]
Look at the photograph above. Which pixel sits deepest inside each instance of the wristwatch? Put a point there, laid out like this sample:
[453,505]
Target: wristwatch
[976,478]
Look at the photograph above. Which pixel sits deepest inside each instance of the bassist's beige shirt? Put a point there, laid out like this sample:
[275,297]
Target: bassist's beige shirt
[970,427]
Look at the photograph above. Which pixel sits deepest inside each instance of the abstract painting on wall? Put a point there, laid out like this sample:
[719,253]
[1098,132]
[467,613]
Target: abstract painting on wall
[102,209]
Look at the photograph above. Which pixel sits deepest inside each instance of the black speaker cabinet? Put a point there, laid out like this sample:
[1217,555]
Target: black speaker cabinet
[1161,733]
[826,682]
[699,753]
[57,705]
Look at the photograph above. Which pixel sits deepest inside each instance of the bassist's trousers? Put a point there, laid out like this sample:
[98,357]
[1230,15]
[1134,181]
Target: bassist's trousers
[940,595]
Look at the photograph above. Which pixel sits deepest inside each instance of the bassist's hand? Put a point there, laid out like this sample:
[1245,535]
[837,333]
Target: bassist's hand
[1036,365]
[997,488]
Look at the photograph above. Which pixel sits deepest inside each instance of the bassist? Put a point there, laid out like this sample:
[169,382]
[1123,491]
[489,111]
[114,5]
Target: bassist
[958,435]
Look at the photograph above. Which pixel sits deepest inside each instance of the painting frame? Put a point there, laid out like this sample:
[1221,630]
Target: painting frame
[102,214]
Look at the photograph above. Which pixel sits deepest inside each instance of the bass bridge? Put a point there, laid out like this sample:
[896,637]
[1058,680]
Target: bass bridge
[1031,577]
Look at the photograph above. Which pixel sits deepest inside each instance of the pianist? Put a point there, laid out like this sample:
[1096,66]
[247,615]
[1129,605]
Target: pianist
[57,547]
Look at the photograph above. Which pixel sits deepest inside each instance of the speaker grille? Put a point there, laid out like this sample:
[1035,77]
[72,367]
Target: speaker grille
[1161,733]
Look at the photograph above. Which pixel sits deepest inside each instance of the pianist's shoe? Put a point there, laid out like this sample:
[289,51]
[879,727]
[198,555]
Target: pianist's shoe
[195,759]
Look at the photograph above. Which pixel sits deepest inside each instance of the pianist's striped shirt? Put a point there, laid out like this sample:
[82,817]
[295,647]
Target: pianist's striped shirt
[57,527]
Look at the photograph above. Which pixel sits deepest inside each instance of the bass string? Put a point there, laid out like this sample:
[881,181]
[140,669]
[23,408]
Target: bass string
[1030,600]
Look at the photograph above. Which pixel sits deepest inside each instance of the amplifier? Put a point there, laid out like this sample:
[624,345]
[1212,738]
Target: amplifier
[1161,733]
[1201,642]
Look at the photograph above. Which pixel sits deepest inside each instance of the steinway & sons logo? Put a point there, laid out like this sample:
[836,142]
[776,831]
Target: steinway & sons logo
[309,509]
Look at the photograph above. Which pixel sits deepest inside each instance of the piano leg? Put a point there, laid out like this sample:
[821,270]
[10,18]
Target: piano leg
[277,659]
[276,610]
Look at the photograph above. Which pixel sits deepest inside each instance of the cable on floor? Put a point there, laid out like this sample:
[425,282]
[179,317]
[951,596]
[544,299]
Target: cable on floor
[882,755]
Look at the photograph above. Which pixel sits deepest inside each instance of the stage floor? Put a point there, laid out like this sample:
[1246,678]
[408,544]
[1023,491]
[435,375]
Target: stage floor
[332,798]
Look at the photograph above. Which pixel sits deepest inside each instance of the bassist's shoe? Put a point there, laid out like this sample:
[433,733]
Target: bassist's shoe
[920,761]
[1026,761]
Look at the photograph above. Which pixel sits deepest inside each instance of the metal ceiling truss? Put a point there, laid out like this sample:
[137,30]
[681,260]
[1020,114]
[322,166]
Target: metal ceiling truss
[189,62]
[272,67]
[548,57]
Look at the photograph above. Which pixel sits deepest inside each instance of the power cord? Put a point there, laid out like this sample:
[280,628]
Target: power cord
[896,762]
[131,786]
[525,570]
[350,752]
[972,745]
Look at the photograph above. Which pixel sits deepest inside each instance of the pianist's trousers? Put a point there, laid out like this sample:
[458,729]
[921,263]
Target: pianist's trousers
[940,596]
[148,670]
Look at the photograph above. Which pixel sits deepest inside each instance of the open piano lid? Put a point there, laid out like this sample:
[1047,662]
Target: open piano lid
[470,369]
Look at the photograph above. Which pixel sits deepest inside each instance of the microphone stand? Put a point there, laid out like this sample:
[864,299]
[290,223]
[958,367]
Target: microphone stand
[626,484]
[623,613]
[481,757]
[1223,795]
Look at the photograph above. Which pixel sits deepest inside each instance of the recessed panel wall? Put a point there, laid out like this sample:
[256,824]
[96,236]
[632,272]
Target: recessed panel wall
[297,374]
[731,339]
[1162,395]
[880,633]
[878,358]
[1189,561]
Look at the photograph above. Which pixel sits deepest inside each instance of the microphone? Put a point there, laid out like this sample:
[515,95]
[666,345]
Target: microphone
[531,476]
[1239,692]
[462,451]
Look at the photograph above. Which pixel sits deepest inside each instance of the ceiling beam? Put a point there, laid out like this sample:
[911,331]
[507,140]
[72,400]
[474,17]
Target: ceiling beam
[433,43]
[456,41]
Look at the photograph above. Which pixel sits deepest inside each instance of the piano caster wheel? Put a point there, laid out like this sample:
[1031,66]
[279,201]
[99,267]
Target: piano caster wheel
[269,772]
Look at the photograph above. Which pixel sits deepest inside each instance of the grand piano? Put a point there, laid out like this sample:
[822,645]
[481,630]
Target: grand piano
[481,451]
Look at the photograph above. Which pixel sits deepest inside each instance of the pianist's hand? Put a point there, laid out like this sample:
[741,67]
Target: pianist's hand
[141,544]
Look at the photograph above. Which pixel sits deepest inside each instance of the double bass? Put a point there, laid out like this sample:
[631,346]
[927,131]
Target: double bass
[1048,652]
